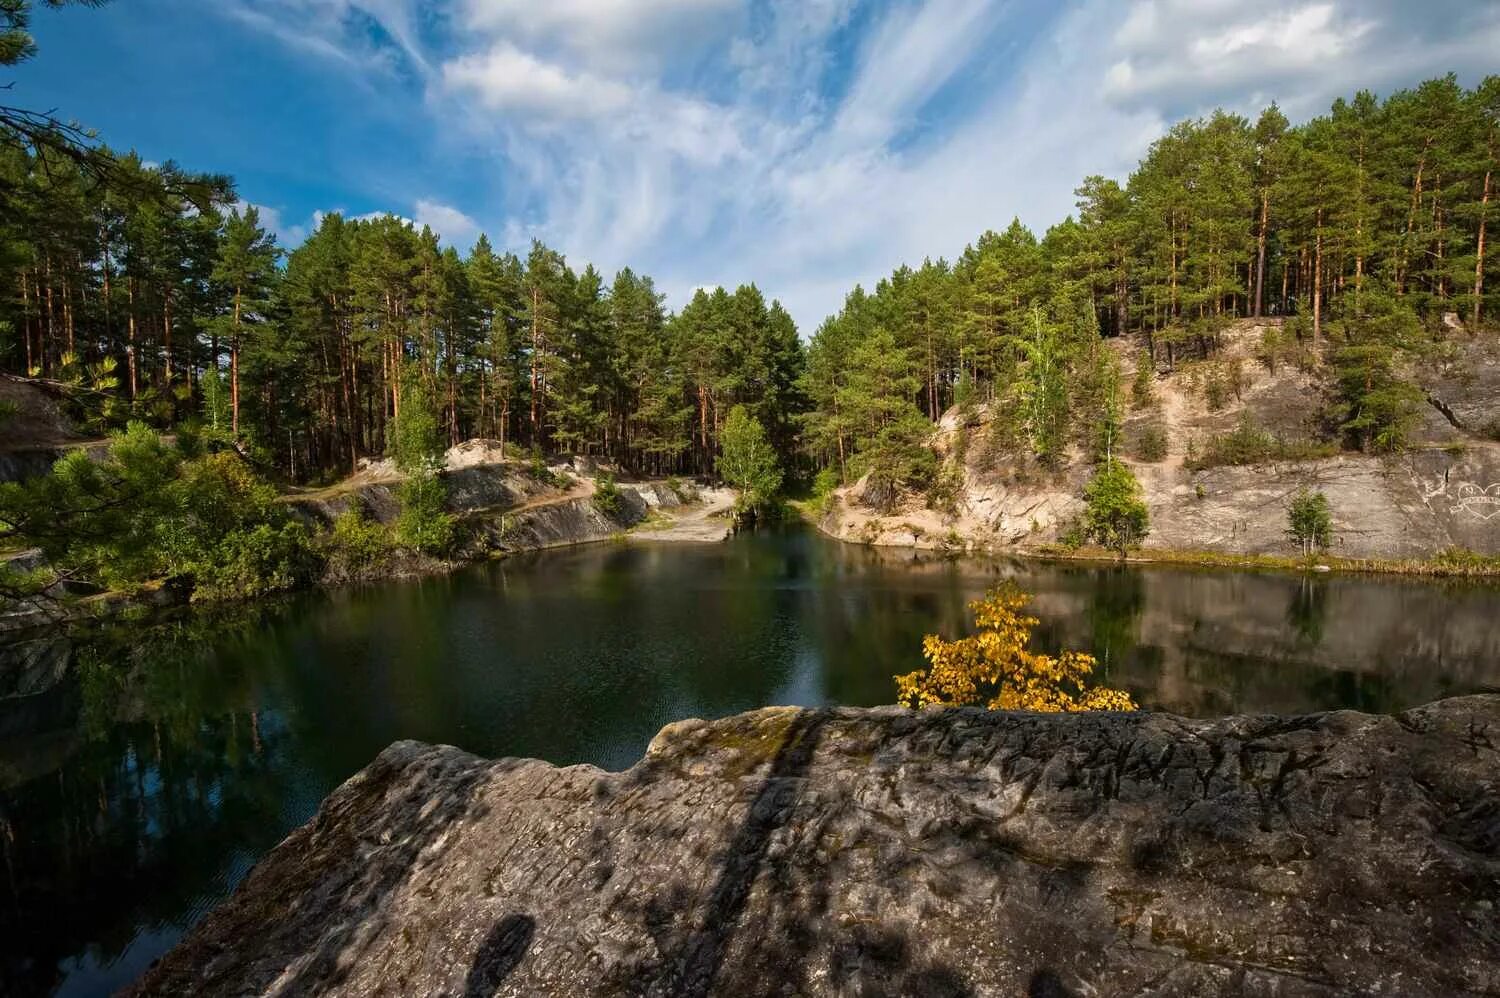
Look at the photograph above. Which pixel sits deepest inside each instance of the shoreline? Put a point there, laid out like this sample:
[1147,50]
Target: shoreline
[1442,565]
[700,526]
[1472,567]
[33,615]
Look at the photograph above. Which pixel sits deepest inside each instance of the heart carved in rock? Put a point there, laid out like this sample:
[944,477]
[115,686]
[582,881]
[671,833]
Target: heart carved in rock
[1477,500]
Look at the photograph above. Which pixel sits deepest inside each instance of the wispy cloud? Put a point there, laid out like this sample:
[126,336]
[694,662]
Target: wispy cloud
[455,228]
[509,80]
[810,144]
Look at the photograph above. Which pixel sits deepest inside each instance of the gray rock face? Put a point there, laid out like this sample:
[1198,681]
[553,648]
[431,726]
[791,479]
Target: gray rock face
[886,852]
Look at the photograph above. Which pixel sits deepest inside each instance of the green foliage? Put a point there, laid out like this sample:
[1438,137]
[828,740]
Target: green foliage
[415,441]
[1379,406]
[897,457]
[1249,443]
[424,525]
[607,495]
[356,543]
[965,393]
[824,484]
[1281,345]
[1115,516]
[1310,521]
[1215,390]
[217,415]
[1100,394]
[946,489]
[1151,442]
[16,43]
[536,464]
[685,489]
[254,561]
[1142,389]
[1043,390]
[748,462]
[146,512]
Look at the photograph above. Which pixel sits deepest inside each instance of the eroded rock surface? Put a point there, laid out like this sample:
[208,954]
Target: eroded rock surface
[885,852]
[1441,492]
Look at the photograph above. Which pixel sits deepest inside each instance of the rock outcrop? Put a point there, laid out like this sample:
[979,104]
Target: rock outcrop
[1442,492]
[887,852]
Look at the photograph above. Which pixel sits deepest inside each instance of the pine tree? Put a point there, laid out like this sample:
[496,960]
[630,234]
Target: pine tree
[245,269]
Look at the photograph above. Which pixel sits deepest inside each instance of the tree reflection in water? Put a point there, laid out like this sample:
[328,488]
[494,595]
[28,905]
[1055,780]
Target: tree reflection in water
[144,768]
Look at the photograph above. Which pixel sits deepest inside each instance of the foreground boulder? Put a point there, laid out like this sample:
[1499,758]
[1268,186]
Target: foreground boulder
[886,852]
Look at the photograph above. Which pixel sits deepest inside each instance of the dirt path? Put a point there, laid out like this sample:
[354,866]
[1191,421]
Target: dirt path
[705,521]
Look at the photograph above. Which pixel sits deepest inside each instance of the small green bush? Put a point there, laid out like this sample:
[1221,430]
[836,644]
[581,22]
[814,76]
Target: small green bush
[824,484]
[1151,443]
[424,525]
[356,543]
[946,489]
[607,495]
[1310,521]
[1142,390]
[1115,514]
[685,489]
[1215,390]
[255,561]
[537,465]
[1249,443]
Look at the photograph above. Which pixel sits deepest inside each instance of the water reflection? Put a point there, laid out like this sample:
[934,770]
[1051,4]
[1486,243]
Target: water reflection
[142,770]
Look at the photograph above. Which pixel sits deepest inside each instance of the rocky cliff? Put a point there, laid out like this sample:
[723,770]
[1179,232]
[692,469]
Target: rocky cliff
[886,852]
[1442,491]
[501,506]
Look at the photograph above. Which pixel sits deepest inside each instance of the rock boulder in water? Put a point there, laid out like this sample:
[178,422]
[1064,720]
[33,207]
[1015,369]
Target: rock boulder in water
[887,852]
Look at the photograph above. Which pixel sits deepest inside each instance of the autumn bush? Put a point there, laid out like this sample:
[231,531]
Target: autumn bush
[995,669]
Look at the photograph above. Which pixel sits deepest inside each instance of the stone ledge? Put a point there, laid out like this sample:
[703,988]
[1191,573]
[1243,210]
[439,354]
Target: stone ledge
[888,852]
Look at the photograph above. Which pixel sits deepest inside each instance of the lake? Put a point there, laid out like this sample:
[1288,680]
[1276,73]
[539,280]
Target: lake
[143,769]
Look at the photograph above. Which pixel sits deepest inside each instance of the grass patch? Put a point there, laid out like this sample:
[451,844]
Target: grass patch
[1249,443]
[1447,564]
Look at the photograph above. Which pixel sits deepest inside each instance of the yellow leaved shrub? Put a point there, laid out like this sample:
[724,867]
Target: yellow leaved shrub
[993,667]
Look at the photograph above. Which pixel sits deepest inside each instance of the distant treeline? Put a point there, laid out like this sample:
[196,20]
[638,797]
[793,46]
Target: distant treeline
[1366,225]
[149,294]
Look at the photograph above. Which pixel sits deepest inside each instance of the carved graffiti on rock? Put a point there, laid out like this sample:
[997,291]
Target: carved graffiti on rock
[1477,500]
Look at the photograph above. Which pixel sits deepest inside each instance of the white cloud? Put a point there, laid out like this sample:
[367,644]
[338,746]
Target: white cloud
[810,144]
[455,228]
[288,235]
[337,30]
[507,79]
[1189,55]
[912,53]
[609,35]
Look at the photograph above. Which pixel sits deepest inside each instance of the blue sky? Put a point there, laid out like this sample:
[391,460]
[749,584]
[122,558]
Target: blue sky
[805,145]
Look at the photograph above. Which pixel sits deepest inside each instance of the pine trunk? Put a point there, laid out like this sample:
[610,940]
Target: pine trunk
[1484,205]
[1260,251]
[1317,281]
[234,370]
[130,344]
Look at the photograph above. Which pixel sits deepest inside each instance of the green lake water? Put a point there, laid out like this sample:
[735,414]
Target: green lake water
[144,769]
